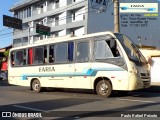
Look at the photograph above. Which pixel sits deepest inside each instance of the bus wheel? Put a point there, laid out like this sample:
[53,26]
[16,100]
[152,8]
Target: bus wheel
[103,88]
[36,86]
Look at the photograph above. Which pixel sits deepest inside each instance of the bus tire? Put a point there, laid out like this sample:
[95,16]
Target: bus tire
[36,86]
[104,88]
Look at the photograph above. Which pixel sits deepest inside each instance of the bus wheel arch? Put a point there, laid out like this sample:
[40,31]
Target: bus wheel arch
[35,85]
[103,81]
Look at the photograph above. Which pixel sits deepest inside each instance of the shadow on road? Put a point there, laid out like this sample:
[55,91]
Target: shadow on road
[5,83]
[48,108]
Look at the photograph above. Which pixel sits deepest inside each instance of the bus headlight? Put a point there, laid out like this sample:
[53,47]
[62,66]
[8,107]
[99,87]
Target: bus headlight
[134,70]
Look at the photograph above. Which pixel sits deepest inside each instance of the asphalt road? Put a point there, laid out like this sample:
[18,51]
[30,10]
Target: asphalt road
[64,104]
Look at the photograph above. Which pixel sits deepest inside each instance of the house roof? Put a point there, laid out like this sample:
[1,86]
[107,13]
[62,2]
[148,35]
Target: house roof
[5,48]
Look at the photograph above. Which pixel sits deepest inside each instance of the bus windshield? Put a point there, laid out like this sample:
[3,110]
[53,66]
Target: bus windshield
[131,49]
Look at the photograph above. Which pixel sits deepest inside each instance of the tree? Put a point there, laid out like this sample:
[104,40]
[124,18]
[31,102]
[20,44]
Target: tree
[6,53]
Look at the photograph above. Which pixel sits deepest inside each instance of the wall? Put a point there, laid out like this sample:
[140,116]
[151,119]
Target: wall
[104,22]
[153,56]
[62,18]
[79,14]
[62,33]
[62,3]
[150,52]
[155,69]
[99,22]
[79,31]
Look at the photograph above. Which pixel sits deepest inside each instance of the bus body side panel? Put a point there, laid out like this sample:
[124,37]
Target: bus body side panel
[64,76]
[83,75]
[117,75]
[60,75]
[135,82]
[15,76]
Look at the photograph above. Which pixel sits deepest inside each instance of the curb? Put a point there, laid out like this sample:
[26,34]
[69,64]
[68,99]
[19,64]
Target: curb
[4,81]
[153,88]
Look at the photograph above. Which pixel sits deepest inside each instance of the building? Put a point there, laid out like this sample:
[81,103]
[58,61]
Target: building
[154,55]
[78,17]
[63,16]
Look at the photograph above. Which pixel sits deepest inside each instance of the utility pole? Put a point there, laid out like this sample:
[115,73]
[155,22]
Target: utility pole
[116,16]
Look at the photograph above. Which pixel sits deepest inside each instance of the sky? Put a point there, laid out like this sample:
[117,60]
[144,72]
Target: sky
[5,39]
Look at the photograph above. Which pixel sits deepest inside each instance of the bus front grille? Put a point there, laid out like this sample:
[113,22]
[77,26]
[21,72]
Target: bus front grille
[145,75]
[146,84]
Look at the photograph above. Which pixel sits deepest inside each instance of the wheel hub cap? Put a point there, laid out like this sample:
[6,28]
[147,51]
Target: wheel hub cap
[36,86]
[104,88]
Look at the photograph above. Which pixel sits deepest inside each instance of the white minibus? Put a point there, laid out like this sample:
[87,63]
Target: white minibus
[103,62]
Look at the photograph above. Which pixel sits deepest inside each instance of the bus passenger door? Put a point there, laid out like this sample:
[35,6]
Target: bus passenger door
[68,79]
[61,54]
[82,65]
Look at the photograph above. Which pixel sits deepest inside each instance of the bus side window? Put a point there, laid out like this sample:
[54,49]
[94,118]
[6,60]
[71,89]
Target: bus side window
[106,47]
[18,59]
[82,52]
[45,54]
[51,54]
[30,56]
[102,50]
[24,57]
[70,51]
[12,58]
[38,55]
[61,53]
[114,48]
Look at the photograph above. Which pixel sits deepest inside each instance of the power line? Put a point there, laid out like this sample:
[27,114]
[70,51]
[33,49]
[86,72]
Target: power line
[70,16]
[33,27]
[62,10]
[4,29]
[48,23]
[5,37]
[6,34]
[63,18]
[66,9]
[54,13]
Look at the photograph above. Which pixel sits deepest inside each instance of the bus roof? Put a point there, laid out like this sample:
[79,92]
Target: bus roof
[62,39]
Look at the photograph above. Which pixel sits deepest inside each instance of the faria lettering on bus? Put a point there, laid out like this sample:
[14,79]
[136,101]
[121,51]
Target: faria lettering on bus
[137,5]
[46,69]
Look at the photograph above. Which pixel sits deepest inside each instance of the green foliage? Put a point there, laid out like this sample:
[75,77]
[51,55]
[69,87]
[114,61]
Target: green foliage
[0,63]
[2,54]
[6,53]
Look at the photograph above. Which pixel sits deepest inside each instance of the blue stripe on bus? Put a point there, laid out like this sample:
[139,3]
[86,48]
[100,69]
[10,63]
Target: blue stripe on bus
[85,72]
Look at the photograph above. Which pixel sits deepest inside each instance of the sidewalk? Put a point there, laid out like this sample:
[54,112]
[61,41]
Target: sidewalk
[155,87]
[155,83]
